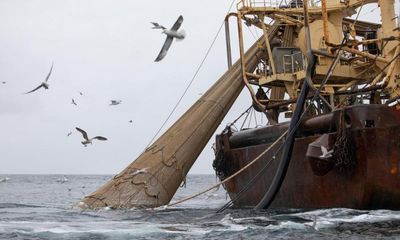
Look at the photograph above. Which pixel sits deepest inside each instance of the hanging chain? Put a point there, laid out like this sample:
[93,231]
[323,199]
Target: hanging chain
[344,149]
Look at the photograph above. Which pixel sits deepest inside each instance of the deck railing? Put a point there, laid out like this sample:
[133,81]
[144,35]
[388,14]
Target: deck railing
[276,3]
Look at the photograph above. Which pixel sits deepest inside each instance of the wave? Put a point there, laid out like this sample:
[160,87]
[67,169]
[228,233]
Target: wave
[18,205]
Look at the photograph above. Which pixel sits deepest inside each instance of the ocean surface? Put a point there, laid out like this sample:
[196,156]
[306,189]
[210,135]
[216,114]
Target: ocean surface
[40,207]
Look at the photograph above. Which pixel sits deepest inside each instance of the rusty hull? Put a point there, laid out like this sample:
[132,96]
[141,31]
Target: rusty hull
[374,182]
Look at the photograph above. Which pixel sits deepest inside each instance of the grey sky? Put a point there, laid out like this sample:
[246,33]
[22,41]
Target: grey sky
[106,49]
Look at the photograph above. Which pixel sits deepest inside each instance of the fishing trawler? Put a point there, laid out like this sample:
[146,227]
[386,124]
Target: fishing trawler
[337,80]
[345,151]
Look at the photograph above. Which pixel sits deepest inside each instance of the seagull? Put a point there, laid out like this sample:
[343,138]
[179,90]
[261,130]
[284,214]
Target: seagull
[115,102]
[6,179]
[130,121]
[171,34]
[44,84]
[81,93]
[73,102]
[64,179]
[3,82]
[87,139]
[69,134]
[326,153]
[157,26]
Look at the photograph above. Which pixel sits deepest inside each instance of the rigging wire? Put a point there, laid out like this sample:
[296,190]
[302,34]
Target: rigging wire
[376,75]
[250,118]
[192,80]
[369,12]
[248,28]
[241,115]
[245,119]
[255,30]
[255,118]
[358,15]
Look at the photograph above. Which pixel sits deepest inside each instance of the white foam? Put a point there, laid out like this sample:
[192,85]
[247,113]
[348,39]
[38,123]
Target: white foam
[229,222]
[80,206]
[105,209]
[103,227]
[331,217]
[287,225]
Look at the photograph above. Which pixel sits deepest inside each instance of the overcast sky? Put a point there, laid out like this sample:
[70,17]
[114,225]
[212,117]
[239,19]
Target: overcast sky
[105,49]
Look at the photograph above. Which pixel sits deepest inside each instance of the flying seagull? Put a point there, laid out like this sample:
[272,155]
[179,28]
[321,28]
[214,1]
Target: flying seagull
[3,82]
[130,121]
[157,26]
[326,153]
[87,139]
[73,102]
[44,84]
[115,102]
[69,134]
[171,34]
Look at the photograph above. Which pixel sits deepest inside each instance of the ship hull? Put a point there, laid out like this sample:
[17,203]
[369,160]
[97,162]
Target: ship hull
[372,182]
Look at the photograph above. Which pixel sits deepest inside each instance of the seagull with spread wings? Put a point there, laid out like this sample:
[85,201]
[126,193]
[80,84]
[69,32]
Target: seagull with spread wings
[87,139]
[171,34]
[44,84]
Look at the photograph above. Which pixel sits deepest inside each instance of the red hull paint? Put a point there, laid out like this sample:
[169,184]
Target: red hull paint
[374,182]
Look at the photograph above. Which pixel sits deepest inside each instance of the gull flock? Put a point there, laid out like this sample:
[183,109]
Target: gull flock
[171,34]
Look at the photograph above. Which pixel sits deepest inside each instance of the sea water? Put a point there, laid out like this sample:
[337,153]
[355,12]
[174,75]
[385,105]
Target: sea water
[40,207]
